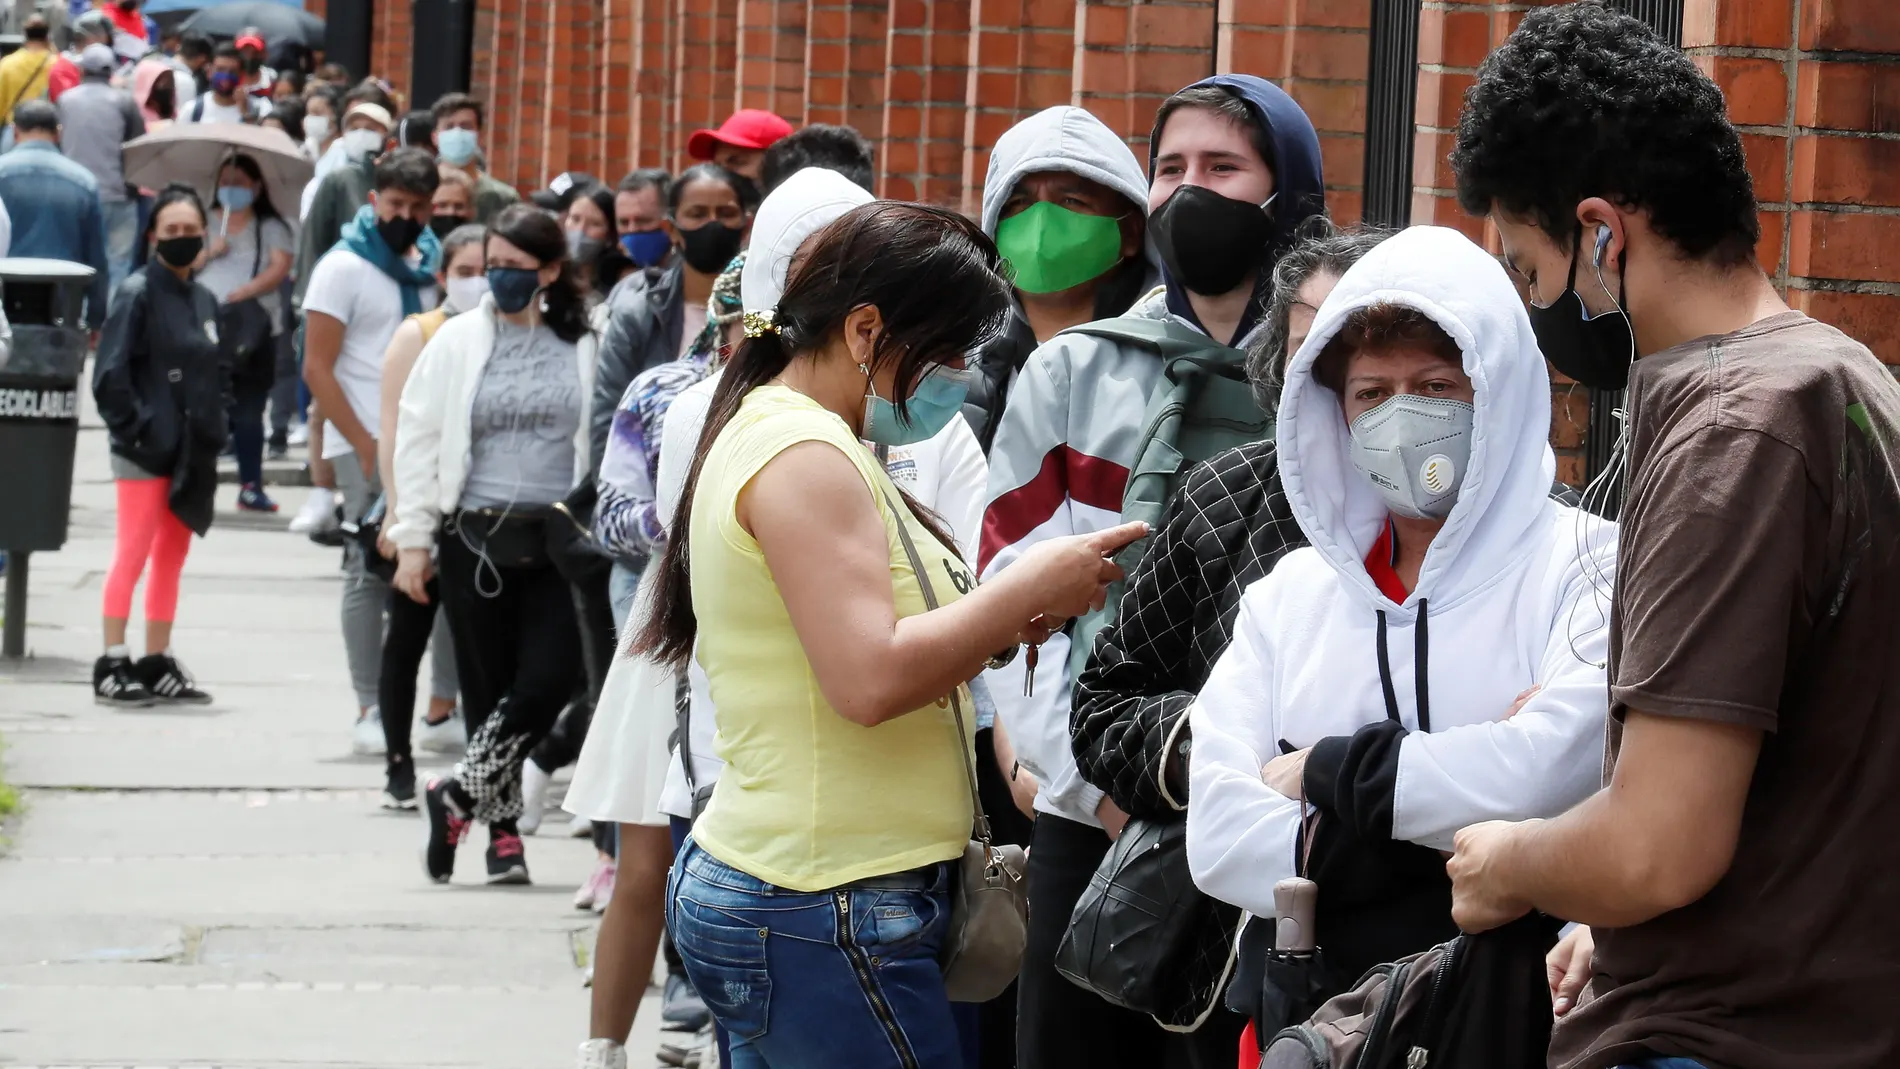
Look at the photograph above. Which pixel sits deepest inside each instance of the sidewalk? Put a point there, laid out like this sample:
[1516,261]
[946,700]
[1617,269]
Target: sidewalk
[216,886]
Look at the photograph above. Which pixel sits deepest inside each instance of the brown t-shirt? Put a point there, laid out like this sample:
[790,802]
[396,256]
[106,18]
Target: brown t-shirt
[1758,583]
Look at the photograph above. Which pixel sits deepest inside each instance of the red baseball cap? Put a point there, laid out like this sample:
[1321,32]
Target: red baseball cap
[250,40]
[747,128]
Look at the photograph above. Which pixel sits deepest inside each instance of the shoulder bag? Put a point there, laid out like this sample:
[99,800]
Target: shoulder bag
[989,896]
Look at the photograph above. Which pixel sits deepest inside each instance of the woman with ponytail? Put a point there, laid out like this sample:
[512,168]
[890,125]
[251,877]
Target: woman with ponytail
[838,693]
[491,435]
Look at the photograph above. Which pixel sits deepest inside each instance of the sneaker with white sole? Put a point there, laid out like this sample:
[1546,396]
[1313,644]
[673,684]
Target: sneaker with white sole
[602,1054]
[449,735]
[168,681]
[685,1050]
[681,1008]
[318,509]
[579,827]
[299,435]
[115,682]
[606,895]
[534,795]
[598,889]
[366,738]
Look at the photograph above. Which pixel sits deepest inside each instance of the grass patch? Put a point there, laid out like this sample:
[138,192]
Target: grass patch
[9,797]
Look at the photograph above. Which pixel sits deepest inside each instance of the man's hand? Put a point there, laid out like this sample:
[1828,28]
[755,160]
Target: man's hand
[1568,968]
[1479,899]
[1112,818]
[1287,773]
[413,570]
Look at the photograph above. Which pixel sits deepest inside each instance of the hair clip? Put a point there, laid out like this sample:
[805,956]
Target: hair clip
[760,323]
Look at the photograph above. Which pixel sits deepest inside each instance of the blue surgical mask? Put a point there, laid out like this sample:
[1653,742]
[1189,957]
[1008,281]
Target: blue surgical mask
[646,247]
[935,402]
[456,146]
[235,198]
[513,287]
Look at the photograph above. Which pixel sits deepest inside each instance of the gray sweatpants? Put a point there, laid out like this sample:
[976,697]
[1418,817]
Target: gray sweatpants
[364,599]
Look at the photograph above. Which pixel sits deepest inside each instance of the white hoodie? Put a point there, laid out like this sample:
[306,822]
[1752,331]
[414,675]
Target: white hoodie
[1515,588]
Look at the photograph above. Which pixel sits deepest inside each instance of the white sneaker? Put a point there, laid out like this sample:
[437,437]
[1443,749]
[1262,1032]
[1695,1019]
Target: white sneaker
[366,739]
[580,828]
[602,1054]
[534,796]
[299,435]
[318,509]
[448,736]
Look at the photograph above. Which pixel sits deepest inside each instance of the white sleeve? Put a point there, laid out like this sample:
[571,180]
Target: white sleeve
[418,448]
[6,232]
[1241,833]
[1549,756]
[961,487]
[331,290]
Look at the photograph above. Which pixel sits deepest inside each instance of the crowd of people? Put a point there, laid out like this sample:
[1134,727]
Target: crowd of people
[1147,519]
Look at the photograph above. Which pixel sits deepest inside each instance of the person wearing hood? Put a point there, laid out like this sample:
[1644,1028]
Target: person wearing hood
[1067,204]
[1435,656]
[414,626]
[1226,528]
[159,385]
[652,317]
[96,119]
[1236,168]
[154,86]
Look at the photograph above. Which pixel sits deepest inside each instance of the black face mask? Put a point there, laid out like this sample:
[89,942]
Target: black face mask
[711,247]
[179,252]
[1596,351]
[444,224]
[399,233]
[1210,242]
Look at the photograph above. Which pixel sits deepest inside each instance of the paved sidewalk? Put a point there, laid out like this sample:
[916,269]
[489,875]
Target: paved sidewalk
[216,886]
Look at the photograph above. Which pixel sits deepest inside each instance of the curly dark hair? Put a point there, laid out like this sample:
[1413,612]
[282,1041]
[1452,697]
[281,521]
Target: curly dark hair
[1582,101]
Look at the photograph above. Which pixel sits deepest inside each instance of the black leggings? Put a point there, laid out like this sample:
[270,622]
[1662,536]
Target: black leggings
[405,641]
[518,658]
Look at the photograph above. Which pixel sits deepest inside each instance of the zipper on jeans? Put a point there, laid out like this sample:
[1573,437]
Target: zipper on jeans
[861,964]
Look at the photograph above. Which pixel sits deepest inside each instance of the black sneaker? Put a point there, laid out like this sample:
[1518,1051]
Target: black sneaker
[446,829]
[399,791]
[507,859]
[169,682]
[116,682]
[278,447]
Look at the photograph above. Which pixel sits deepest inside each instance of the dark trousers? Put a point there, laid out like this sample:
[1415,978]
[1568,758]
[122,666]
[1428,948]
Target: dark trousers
[517,655]
[405,640]
[247,431]
[1059,1024]
[284,402]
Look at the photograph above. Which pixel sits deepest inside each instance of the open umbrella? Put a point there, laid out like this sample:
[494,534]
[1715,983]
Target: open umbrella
[193,153]
[279,23]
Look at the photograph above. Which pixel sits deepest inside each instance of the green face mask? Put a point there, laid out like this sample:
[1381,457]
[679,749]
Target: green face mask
[1052,248]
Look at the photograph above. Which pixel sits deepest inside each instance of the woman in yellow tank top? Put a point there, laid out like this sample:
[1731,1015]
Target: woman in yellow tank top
[811,900]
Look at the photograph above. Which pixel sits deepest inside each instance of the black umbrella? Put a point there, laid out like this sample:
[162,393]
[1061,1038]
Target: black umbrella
[280,24]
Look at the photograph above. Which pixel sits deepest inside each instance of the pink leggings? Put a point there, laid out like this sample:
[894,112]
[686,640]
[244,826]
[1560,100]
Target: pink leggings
[147,529]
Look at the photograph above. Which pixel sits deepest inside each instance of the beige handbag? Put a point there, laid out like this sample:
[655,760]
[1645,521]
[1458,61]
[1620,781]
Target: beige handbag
[989,898]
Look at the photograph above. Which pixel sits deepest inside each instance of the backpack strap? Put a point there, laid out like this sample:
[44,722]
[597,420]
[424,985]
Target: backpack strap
[198,109]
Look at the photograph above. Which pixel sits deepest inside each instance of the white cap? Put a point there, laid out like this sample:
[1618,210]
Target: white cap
[802,205]
[375,112]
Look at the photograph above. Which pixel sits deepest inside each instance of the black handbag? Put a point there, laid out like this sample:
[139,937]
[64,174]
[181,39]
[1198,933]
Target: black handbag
[245,330]
[576,553]
[366,533]
[1137,935]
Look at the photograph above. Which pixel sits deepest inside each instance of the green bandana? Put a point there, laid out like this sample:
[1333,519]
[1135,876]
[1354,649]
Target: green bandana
[1052,249]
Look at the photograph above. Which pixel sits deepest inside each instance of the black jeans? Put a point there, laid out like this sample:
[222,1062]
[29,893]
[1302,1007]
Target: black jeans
[1059,1024]
[247,432]
[405,641]
[518,658]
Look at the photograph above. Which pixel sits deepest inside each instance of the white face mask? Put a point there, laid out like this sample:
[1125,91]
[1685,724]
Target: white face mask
[316,128]
[1415,451]
[361,144]
[466,293]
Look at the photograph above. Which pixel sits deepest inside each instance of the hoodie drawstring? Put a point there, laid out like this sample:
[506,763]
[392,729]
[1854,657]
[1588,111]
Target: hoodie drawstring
[1420,660]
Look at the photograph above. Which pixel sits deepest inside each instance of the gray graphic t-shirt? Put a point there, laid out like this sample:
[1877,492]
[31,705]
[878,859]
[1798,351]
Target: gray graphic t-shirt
[526,413]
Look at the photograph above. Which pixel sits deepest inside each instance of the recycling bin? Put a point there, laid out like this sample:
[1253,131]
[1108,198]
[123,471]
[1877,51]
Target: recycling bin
[39,417]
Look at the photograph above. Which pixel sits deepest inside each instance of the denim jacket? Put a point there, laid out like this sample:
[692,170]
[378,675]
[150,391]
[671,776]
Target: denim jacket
[54,204]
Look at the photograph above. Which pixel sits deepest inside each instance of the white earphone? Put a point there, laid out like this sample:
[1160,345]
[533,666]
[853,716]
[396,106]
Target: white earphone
[1603,242]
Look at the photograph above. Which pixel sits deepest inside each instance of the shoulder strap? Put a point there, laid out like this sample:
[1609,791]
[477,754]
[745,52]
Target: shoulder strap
[1162,336]
[981,825]
[198,109]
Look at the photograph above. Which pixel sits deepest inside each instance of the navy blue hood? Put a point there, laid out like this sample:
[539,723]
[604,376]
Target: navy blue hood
[1300,190]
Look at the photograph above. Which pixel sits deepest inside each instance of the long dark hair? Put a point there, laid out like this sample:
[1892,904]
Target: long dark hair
[937,281]
[538,234]
[260,205]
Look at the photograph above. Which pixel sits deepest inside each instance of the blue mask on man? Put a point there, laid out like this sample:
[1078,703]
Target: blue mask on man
[935,402]
[647,247]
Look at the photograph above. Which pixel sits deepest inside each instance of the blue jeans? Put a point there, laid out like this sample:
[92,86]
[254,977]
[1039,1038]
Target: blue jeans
[622,582]
[122,238]
[818,980]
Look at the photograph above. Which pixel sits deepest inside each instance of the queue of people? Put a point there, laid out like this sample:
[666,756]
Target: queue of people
[838,541]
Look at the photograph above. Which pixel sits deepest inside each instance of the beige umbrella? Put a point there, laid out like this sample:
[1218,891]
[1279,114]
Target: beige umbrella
[193,153]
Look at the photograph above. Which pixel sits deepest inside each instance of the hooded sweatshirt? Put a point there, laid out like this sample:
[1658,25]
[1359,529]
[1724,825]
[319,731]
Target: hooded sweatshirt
[1513,592]
[145,77]
[1067,139]
[1060,460]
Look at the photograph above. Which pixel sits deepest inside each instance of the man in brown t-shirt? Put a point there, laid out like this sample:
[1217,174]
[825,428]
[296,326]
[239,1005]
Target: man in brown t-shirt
[1739,869]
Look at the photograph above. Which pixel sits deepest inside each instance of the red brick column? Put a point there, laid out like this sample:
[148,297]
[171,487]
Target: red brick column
[654,52]
[772,60]
[392,40]
[703,80]
[1021,52]
[1130,57]
[845,63]
[925,87]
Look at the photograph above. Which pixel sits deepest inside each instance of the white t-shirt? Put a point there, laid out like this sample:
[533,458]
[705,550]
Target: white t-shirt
[368,303]
[242,111]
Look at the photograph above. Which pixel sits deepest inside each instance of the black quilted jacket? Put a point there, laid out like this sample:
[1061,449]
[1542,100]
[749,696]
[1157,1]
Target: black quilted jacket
[1228,526]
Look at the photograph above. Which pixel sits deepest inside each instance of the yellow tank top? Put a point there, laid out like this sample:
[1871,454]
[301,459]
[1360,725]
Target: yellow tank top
[809,800]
